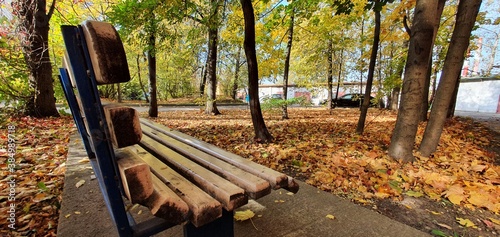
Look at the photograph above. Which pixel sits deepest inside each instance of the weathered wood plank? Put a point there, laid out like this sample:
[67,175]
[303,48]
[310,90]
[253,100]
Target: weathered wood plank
[135,175]
[230,195]
[124,125]
[203,208]
[107,54]
[254,186]
[165,203]
[276,179]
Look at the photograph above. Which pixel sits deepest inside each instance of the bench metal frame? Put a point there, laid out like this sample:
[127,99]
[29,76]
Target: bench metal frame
[92,126]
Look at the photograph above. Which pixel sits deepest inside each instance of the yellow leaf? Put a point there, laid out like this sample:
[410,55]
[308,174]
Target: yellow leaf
[479,199]
[330,216]
[496,221]
[455,194]
[243,215]
[466,222]
[77,212]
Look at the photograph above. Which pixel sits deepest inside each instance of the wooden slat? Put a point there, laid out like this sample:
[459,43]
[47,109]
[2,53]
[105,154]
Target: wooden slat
[276,179]
[106,53]
[164,203]
[203,208]
[230,195]
[254,186]
[124,126]
[135,175]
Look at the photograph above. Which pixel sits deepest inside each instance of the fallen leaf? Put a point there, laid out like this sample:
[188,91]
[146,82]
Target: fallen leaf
[330,216]
[84,160]
[68,215]
[489,224]
[496,221]
[466,222]
[80,183]
[444,226]
[414,194]
[42,197]
[243,215]
[77,212]
[455,194]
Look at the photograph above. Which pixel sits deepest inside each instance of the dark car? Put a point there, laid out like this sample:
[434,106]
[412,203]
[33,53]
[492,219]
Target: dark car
[352,100]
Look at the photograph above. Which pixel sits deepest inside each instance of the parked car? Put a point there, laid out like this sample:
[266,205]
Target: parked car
[351,100]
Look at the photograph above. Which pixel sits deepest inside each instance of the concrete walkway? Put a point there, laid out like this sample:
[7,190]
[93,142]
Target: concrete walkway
[83,212]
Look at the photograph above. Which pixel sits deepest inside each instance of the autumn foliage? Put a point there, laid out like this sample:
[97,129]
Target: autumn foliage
[42,146]
[313,145]
[324,150]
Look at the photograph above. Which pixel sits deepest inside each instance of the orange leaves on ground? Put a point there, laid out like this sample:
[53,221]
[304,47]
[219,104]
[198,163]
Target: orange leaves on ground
[324,150]
[41,149]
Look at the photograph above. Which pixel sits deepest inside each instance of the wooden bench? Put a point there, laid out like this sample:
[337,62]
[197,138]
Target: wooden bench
[181,180]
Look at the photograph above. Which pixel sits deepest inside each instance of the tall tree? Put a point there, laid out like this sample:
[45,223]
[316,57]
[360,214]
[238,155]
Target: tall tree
[151,46]
[425,95]
[422,30]
[261,132]
[34,31]
[371,67]
[287,64]
[465,19]
[213,34]
[329,77]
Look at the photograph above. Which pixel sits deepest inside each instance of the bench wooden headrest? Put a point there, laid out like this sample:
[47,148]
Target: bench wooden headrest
[106,52]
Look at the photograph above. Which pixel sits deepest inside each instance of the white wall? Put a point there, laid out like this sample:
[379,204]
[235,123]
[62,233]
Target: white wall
[478,96]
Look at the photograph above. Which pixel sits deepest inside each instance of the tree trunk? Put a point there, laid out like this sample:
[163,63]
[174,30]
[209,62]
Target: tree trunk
[403,137]
[339,75]
[329,101]
[261,132]
[394,101]
[35,34]
[140,78]
[153,103]
[234,90]
[453,103]
[371,70]
[211,106]
[465,19]
[119,90]
[287,65]
[425,95]
[203,78]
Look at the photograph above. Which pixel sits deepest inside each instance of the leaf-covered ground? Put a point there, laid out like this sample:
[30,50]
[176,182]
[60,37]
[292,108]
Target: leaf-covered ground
[37,176]
[456,191]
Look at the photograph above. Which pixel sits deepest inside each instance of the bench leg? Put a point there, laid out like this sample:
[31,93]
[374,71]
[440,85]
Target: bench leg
[222,227]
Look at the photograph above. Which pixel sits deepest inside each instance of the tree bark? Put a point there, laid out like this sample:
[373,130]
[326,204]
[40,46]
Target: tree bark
[211,106]
[140,78]
[287,65]
[35,32]
[403,137]
[465,19]
[213,31]
[329,101]
[236,74]
[153,103]
[371,70]
[425,95]
[261,132]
